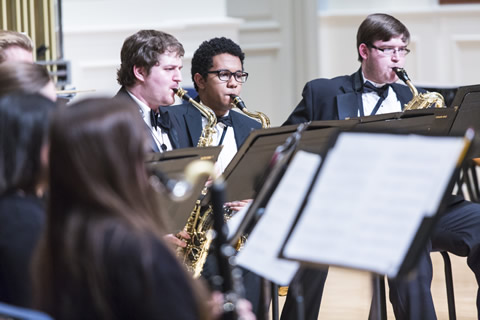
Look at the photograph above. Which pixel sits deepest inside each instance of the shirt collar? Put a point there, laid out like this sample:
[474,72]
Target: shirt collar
[144,109]
[378,85]
[226,114]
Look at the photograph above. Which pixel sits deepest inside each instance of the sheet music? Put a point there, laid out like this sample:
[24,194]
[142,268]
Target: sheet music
[370,198]
[260,253]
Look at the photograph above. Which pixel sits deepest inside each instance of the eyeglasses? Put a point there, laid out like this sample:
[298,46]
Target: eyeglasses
[402,52]
[225,75]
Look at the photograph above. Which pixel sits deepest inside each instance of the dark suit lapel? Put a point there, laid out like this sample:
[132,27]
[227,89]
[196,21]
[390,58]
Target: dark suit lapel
[240,128]
[404,95]
[193,119]
[348,105]
[172,130]
[123,94]
[350,102]
[153,143]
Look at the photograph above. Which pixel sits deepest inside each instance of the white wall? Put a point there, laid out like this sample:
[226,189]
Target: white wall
[343,5]
[94,33]
[279,38]
[445,43]
[287,42]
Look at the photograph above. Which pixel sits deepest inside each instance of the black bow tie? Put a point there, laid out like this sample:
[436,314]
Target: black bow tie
[381,91]
[226,120]
[157,120]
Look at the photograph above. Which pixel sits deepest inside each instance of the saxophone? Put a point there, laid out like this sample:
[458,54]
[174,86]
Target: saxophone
[206,138]
[199,222]
[262,117]
[422,100]
[265,121]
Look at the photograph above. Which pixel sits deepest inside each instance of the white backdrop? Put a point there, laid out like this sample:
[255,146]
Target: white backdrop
[287,42]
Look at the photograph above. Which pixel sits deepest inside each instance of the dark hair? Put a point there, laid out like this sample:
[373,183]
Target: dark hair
[100,200]
[142,49]
[10,39]
[380,26]
[22,76]
[24,122]
[101,144]
[202,59]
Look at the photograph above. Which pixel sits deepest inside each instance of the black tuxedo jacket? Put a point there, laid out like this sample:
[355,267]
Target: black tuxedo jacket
[190,120]
[164,113]
[336,99]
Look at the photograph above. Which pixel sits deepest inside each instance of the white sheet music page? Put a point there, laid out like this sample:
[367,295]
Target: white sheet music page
[370,197]
[261,251]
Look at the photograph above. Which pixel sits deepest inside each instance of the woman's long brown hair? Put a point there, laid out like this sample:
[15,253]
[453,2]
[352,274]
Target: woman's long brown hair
[97,178]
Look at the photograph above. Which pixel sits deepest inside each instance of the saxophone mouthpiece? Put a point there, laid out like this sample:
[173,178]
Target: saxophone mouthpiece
[402,74]
[182,94]
[238,102]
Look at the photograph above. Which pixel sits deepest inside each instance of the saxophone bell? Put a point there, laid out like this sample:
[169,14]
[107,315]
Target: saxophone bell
[422,100]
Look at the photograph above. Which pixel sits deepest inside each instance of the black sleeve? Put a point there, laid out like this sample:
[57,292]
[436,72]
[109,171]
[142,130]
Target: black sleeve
[304,110]
[21,224]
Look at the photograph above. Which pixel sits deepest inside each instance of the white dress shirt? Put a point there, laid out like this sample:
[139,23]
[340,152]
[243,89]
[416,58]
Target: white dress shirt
[160,137]
[370,99]
[229,144]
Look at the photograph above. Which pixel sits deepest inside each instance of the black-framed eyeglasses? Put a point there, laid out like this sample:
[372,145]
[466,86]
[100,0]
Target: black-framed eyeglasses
[391,51]
[225,75]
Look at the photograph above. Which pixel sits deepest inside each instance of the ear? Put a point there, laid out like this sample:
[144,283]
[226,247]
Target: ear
[363,51]
[139,73]
[199,80]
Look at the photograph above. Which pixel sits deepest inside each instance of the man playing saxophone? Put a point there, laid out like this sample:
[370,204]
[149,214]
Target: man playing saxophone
[150,73]
[218,73]
[150,69]
[382,42]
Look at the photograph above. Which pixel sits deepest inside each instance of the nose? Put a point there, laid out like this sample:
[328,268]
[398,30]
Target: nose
[177,76]
[232,83]
[396,56]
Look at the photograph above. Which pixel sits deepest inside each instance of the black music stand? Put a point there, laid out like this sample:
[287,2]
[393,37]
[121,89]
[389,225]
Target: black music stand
[434,121]
[259,181]
[467,102]
[311,253]
[172,164]
[246,172]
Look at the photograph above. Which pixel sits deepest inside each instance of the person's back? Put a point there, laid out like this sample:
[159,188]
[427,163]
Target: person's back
[102,256]
[137,278]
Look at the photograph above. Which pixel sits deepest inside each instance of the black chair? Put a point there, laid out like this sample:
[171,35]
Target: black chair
[379,298]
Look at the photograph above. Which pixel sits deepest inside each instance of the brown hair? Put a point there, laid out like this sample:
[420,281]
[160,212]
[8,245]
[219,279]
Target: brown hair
[142,49]
[14,39]
[380,26]
[100,200]
[23,77]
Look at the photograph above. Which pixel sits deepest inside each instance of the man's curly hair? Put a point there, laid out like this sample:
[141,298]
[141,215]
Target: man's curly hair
[143,49]
[202,59]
